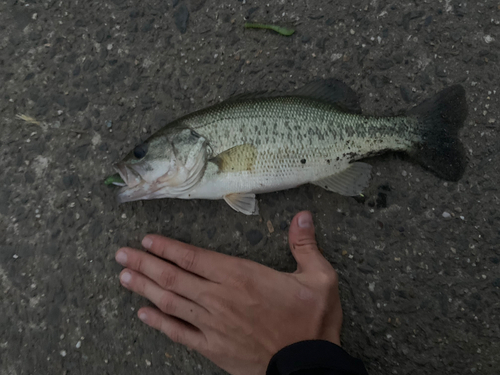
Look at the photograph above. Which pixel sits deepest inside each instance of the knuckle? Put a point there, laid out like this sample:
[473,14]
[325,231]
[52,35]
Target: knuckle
[206,298]
[168,278]
[243,281]
[215,303]
[307,244]
[139,264]
[222,307]
[167,304]
[188,260]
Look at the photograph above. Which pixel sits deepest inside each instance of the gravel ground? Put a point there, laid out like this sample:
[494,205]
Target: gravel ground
[418,257]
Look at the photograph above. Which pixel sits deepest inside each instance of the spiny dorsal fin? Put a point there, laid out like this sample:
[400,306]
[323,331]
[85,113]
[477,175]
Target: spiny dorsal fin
[252,96]
[243,202]
[349,182]
[332,91]
[327,90]
[236,159]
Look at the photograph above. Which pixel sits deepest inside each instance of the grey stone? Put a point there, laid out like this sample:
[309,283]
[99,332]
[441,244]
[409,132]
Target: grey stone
[254,236]
[181,17]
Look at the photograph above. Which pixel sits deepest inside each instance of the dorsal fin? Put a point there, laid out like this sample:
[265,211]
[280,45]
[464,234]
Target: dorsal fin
[333,91]
[252,96]
[327,90]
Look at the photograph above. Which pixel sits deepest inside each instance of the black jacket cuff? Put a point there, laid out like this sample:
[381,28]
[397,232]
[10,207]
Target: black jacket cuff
[314,357]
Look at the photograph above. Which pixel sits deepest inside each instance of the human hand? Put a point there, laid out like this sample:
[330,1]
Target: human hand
[235,312]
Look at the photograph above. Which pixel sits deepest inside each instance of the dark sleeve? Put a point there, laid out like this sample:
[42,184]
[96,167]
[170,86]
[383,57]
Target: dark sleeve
[315,357]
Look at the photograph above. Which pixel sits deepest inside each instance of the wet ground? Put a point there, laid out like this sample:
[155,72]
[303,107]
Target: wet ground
[418,257]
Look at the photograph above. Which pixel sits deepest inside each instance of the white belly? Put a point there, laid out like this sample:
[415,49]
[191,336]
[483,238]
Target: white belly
[216,185]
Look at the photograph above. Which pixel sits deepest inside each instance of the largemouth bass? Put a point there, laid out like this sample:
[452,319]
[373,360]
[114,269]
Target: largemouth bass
[261,143]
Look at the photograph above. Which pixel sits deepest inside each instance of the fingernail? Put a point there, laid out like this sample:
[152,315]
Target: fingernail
[143,316]
[125,278]
[147,242]
[121,258]
[305,220]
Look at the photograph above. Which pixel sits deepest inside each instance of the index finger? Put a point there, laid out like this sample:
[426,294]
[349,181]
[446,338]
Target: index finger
[205,263]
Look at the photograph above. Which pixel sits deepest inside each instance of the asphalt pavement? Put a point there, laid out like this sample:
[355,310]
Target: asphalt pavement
[82,82]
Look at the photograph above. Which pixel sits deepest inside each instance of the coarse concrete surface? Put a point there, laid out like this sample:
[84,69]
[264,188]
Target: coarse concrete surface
[418,257]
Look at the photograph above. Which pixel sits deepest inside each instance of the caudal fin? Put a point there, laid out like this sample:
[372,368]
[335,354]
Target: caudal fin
[441,117]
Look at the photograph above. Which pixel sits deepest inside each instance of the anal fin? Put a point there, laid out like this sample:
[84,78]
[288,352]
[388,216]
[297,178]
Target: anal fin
[350,182]
[243,202]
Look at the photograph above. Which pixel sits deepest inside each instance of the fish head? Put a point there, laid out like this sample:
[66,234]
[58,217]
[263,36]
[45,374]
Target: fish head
[164,166]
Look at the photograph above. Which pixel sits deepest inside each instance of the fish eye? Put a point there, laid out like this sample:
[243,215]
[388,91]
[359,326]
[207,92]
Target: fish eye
[194,134]
[140,151]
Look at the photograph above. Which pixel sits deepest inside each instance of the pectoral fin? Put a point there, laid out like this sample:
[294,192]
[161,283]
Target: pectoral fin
[243,202]
[236,159]
[349,182]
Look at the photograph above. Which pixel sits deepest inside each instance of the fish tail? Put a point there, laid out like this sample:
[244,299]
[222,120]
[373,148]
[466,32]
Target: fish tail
[440,118]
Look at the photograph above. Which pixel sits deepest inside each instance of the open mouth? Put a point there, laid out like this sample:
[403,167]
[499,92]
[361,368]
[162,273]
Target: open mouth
[133,187]
[115,179]
[129,177]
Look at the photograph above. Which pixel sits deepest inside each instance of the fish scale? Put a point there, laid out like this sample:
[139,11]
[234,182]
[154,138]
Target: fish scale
[313,131]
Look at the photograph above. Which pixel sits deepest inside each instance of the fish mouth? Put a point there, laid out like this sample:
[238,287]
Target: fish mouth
[130,177]
[143,191]
[134,187]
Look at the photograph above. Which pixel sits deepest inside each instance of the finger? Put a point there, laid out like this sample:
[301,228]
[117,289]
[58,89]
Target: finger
[302,239]
[205,263]
[168,302]
[166,275]
[177,330]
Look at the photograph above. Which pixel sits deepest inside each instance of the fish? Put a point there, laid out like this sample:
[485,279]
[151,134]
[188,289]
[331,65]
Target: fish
[265,142]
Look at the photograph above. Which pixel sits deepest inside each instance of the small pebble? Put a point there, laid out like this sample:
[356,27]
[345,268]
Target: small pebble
[404,173]
[63,353]
[446,215]
[270,227]
[78,345]
[110,47]
[148,363]
[15,256]
[109,124]
[488,39]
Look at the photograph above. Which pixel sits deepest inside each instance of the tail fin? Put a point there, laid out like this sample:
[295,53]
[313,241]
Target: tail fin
[441,117]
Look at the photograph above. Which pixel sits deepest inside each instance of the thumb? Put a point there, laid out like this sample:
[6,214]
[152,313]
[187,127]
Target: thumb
[302,240]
